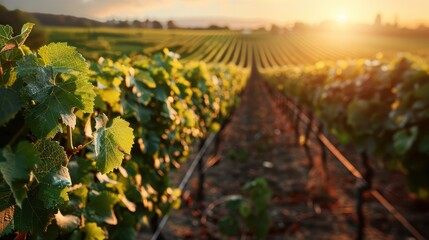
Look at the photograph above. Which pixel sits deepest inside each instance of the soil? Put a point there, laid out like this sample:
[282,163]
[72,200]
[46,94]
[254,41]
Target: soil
[307,203]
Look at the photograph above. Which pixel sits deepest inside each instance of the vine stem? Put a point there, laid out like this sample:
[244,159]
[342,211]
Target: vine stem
[69,139]
[22,51]
[16,136]
[76,150]
[1,74]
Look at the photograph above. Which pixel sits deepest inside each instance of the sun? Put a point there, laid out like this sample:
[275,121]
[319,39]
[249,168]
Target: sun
[342,18]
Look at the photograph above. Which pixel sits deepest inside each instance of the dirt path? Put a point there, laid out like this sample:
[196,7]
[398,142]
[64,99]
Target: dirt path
[258,142]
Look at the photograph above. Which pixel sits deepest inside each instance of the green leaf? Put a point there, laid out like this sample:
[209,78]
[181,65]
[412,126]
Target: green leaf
[60,178]
[9,78]
[81,193]
[141,113]
[404,139]
[152,143]
[25,32]
[53,157]
[161,93]
[144,95]
[17,168]
[63,58]
[7,42]
[53,196]
[168,111]
[229,226]
[53,189]
[53,96]
[67,223]
[423,93]
[126,229]
[358,112]
[93,232]
[146,79]
[9,105]
[6,196]
[6,32]
[111,142]
[233,204]
[424,144]
[245,210]
[100,207]
[33,217]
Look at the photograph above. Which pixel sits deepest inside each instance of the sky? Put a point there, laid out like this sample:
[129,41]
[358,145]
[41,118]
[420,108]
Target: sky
[408,12]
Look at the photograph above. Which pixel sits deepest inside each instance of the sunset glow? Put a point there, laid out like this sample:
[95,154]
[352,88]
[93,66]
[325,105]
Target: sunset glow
[342,18]
[409,13]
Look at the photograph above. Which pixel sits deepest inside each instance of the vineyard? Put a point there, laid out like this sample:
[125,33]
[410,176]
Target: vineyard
[94,149]
[239,47]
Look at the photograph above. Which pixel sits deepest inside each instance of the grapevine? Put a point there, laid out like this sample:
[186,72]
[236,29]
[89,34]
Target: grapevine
[86,148]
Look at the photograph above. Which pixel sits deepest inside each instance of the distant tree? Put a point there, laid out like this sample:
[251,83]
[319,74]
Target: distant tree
[377,21]
[16,19]
[261,29]
[275,28]
[300,26]
[147,24]
[123,24]
[171,25]
[216,27]
[396,21]
[137,24]
[156,25]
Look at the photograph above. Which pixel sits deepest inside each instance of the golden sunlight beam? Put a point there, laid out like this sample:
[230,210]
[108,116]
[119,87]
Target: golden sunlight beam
[342,18]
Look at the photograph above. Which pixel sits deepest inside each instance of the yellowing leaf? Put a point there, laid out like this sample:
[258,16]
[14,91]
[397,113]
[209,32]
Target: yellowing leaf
[93,232]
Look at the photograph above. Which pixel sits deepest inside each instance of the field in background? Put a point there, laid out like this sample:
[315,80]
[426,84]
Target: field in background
[270,49]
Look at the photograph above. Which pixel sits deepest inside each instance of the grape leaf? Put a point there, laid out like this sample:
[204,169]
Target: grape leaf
[80,194]
[161,93]
[6,196]
[109,95]
[17,168]
[126,228]
[67,223]
[8,42]
[60,178]
[63,58]
[54,189]
[52,155]
[53,196]
[144,95]
[54,95]
[111,142]
[100,207]
[33,216]
[141,113]
[93,232]
[9,105]
[146,79]
[18,41]
[6,32]
[424,144]
[25,32]
[404,139]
